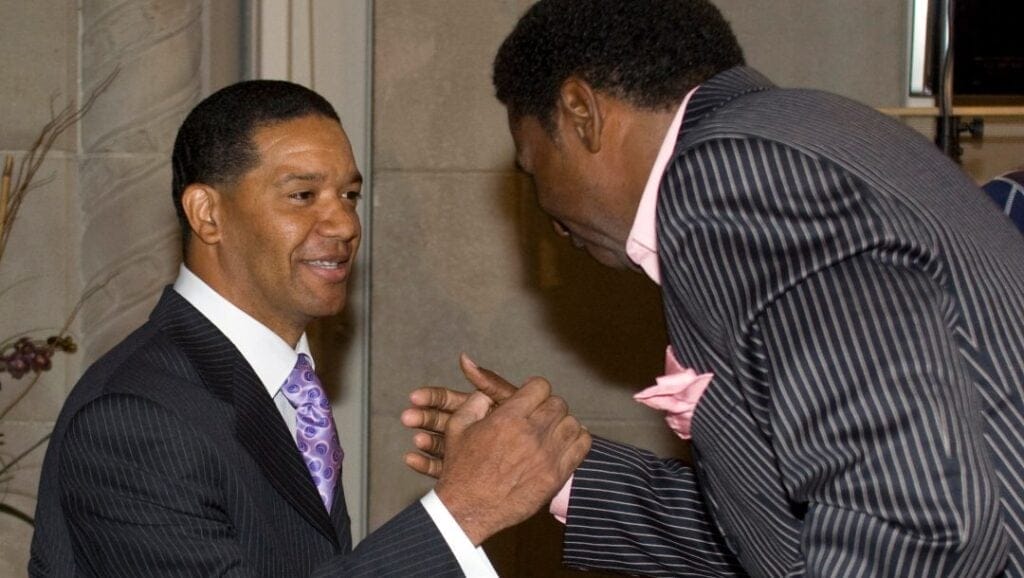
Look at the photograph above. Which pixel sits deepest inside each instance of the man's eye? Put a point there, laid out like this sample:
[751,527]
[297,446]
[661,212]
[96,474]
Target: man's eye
[352,195]
[302,195]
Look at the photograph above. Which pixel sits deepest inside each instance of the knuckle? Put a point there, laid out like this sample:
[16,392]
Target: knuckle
[558,404]
[572,425]
[453,399]
[585,441]
[437,396]
[437,446]
[538,382]
[574,422]
[430,419]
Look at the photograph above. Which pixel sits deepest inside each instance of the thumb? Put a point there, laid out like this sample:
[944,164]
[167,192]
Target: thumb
[473,410]
[495,386]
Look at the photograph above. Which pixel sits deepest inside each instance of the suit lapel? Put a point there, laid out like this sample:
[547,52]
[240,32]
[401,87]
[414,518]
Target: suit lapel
[258,425]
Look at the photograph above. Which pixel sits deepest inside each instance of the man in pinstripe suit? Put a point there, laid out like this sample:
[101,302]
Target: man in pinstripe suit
[858,301]
[171,457]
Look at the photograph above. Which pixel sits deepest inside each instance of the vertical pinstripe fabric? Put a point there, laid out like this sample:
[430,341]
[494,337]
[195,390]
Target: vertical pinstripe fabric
[861,304]
[169,459]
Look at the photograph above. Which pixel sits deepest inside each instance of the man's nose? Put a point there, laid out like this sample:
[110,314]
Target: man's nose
[339,220]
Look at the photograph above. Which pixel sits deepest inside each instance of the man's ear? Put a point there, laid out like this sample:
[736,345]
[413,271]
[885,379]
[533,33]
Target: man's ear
[202,204]
[580,107]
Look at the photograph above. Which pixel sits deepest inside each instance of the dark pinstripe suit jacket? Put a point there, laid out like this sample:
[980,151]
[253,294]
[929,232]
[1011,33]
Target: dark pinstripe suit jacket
[170,459]
[861,304]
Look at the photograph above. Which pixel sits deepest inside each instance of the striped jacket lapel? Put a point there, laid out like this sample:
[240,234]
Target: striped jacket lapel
[258,424]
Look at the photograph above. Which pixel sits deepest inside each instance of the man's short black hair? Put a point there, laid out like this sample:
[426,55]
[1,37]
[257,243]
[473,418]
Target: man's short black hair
[214,145]
[646,52]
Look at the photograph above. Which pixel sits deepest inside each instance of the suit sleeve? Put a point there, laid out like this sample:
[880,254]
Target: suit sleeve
[407,545]
[632,512]
[877,428]
[142,493]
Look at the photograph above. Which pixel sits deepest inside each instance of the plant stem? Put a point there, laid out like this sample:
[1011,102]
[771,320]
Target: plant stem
[22,455]
[31,162]
[5,191]
[12,511]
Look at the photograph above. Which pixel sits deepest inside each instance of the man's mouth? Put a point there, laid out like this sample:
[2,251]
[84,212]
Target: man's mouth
[562,231]
[333,269]
[325,263]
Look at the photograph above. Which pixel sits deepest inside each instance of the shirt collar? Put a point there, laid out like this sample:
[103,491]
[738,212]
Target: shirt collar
[642,243]
[271,358]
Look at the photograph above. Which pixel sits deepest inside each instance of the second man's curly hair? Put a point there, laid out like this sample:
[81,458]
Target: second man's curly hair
[646,52]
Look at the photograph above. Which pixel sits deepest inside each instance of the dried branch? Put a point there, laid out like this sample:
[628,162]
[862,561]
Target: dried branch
[14,188]
[12,511]
[5,190]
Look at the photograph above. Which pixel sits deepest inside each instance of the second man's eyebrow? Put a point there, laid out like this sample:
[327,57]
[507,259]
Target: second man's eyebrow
[289,177]
[355,178]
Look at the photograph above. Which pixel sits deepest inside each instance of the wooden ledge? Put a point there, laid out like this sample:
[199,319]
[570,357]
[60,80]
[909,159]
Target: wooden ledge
[961,111]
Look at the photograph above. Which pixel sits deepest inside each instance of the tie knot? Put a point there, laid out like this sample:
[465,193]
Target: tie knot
[302,387]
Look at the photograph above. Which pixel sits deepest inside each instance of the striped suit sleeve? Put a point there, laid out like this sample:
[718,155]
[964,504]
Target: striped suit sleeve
[634,513]
[408,545]
[875,427]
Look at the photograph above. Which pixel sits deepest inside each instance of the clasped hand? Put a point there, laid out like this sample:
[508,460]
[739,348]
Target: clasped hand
[500,453]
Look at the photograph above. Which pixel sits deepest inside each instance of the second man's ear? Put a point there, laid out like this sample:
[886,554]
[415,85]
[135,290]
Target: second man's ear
[202,208]
[580,107]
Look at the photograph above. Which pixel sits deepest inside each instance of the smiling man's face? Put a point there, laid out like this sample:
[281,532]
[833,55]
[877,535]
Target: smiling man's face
[289,231]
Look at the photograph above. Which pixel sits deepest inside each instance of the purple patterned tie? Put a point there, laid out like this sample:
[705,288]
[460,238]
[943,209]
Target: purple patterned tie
[314,425]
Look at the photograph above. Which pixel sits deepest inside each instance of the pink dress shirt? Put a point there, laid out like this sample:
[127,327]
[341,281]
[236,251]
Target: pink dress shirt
[642,243]
[679,390]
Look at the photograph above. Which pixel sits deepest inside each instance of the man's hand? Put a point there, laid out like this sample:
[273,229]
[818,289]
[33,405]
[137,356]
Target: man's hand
[434,406]
[505,452]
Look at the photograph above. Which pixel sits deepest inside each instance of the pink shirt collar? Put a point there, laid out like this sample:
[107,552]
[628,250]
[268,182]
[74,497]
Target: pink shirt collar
[642,244]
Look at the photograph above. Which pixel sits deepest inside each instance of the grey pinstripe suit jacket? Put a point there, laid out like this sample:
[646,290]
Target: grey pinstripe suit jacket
[861,304]
[170,459]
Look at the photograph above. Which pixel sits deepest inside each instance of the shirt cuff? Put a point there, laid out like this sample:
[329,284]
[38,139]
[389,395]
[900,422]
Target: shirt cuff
[560,503]
[472,559]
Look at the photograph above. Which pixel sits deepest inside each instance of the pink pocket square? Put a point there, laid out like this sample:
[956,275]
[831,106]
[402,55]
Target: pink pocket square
[676,393]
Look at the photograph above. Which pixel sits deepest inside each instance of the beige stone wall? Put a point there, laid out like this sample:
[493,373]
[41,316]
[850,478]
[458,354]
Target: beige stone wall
[463,260]
[104,212]
[37,275]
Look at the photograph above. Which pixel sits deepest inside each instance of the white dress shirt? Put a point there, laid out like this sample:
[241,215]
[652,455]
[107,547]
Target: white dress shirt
[272,359]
